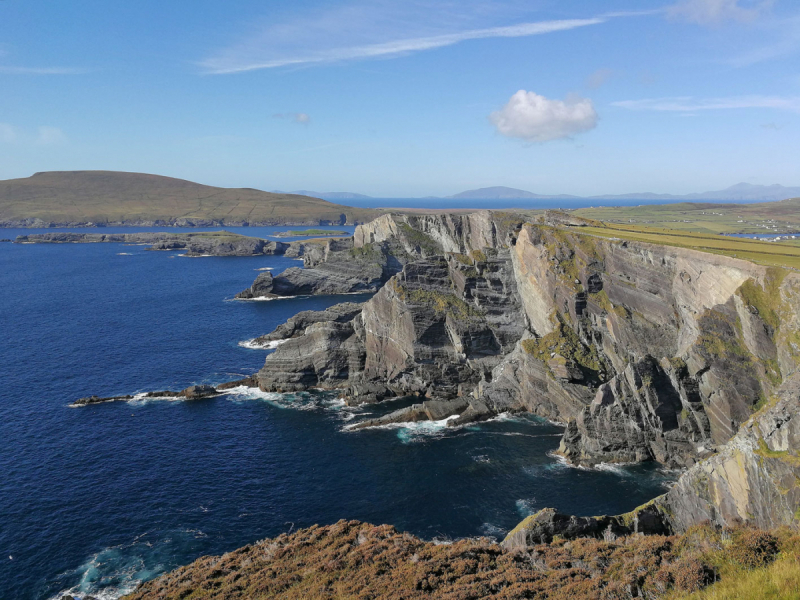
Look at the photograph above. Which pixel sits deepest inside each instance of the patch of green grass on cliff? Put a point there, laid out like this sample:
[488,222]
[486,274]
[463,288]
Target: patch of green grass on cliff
[720,336]
[440,302]
[421,240]
[602,300]
[367,252]
[565,342]
[319,232]
[766,299]
[757,251]
[782,455]
[478,255]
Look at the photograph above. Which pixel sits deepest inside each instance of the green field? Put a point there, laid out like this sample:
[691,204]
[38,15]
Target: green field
[760,217]
[311,232]
[765,253]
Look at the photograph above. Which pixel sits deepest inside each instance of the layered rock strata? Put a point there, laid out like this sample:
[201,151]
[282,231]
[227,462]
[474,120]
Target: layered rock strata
[644,352]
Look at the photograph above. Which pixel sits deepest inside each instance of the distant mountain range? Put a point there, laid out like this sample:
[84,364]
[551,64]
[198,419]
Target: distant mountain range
[740,191]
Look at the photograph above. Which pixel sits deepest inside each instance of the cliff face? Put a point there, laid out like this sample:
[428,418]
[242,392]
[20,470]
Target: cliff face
[645,352]
[755,478]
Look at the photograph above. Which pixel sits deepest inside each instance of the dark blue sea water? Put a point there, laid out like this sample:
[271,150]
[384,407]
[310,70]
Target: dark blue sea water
[94,499]
[525,203]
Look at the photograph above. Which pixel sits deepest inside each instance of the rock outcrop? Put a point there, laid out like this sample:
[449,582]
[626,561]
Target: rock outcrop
[193,392]
[215,243]
[645,352]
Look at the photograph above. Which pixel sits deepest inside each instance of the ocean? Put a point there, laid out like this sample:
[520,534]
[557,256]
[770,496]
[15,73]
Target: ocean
[96,499]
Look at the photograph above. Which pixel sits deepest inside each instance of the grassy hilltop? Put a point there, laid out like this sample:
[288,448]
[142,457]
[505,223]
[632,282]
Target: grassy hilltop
[74,197]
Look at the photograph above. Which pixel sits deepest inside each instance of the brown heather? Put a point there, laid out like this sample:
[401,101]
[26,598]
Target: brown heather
[358,560]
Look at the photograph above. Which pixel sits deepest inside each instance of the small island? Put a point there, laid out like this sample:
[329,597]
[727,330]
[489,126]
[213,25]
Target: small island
[311,233]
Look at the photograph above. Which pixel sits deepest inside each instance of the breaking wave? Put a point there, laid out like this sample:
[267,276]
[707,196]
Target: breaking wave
[254,345]
[117,570]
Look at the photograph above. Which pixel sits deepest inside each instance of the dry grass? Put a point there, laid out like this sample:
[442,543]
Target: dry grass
[358,560]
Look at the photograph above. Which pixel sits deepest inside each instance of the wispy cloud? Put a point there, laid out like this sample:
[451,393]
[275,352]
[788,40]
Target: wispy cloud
[784,40]
[690,104]
[360,31]
[712,12]
[11,70]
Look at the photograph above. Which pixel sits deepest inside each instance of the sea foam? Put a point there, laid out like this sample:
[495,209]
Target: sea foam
[252,344]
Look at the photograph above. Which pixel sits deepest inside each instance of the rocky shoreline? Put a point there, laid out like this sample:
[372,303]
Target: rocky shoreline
[215,243]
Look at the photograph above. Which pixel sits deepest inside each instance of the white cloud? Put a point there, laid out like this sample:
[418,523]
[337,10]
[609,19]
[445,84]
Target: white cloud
[690,104]
[365,31]
[534,118]
[11,70]
[50,136]
[708,12]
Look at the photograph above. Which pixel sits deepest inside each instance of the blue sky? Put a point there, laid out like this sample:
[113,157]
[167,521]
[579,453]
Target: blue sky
[410,98]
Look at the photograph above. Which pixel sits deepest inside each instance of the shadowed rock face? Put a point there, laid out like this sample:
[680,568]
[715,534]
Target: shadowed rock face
[645,352]
[754,478]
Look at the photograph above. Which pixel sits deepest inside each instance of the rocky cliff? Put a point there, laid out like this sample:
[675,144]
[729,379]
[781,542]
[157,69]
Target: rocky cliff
[644,352]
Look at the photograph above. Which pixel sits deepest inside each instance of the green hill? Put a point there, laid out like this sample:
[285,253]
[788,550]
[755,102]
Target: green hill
[111,197]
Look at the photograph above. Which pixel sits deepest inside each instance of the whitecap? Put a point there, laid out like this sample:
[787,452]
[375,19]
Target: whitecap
[526,507]
[414,431]
[117,570]
[264,269]
[615,468]
[124,254]
[299,401]
[252,344]
[494,531]
[265,298]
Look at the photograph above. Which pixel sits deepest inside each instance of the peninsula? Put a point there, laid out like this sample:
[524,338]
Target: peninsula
[98,198]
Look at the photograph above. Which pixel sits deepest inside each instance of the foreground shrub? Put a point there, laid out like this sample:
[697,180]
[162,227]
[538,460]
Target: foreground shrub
[352,560]
[752,548]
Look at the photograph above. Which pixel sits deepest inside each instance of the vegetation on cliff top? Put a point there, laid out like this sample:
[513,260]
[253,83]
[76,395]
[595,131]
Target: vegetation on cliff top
[358,560]
[760,217]
[765,253]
